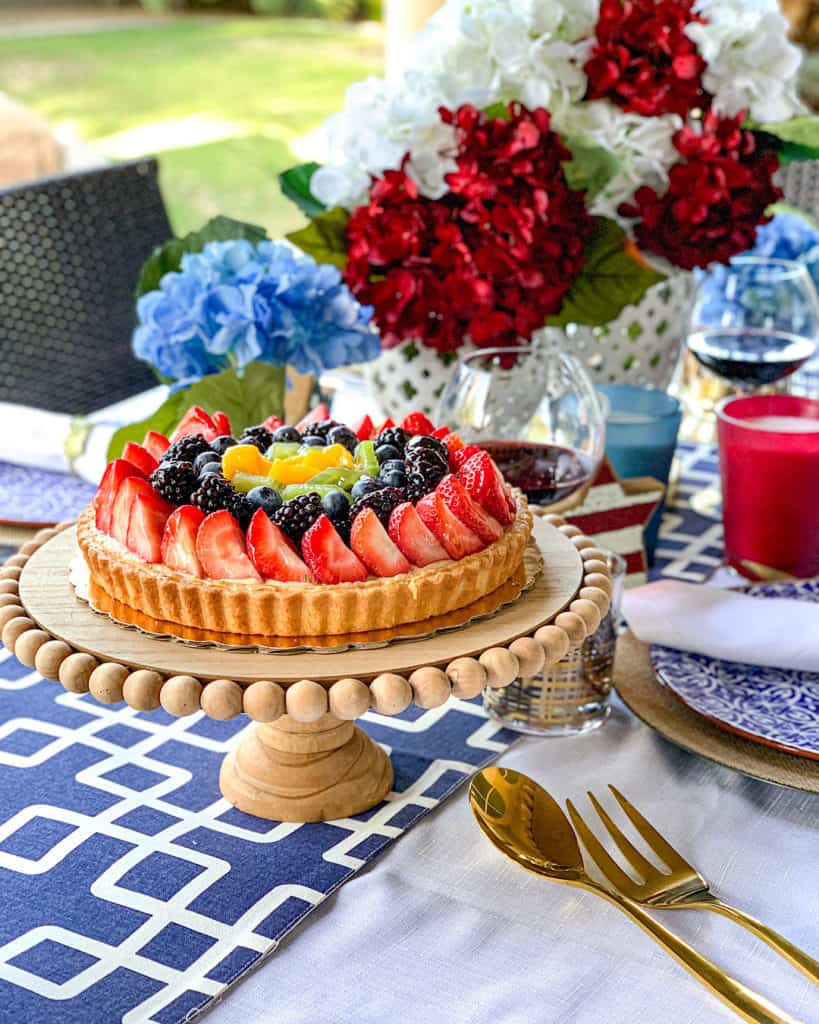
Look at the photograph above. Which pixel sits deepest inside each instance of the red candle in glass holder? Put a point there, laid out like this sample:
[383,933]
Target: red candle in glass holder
[769,464]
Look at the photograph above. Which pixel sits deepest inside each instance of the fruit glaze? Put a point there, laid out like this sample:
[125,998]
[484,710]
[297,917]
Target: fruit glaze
[307,530]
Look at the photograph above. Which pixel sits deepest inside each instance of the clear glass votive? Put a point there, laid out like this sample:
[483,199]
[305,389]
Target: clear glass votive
[572,696]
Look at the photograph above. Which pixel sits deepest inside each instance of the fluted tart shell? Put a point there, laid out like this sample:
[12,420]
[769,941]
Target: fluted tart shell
[273,608]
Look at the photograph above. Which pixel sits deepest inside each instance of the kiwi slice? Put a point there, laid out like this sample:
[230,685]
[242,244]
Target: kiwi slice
[294,490]
[365,458]
[339,476]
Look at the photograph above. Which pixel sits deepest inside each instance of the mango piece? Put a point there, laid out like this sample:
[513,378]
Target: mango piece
[244,458]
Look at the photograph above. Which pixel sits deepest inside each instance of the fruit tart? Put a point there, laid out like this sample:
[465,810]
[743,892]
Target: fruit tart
[317,529]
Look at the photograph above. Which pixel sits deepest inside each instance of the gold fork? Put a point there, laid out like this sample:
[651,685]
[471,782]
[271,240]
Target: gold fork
[682,887]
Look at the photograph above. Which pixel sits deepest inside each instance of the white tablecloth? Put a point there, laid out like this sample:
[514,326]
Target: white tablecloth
[442,928]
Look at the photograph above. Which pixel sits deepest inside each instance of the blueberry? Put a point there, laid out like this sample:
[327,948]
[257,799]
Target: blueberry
[314,441]
[266,498]
[221,444]
[343,435]
[392,466]
[286,435]
[387,452]
[335,504]
[366,485]
[395,478]
[207,459]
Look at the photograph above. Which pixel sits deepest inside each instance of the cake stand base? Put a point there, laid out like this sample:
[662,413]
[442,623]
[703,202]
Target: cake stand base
[306,771]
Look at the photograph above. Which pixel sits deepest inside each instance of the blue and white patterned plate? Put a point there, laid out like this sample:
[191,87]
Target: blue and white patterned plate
[779,707]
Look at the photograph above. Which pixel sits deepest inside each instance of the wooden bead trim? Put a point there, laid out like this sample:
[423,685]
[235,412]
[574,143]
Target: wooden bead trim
[305,701]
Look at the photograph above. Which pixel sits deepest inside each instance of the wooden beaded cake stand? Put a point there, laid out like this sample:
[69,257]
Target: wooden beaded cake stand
[305,760]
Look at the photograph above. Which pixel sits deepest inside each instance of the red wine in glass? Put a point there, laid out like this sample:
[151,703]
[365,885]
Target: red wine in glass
[546,473]
[750,357]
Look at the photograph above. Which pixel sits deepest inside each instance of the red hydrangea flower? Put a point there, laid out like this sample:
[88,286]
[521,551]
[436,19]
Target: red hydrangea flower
[643,61]
[490,260]
[716,198]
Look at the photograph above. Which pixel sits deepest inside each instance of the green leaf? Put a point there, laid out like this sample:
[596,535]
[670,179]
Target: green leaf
[611,280]
[168,257]
[499,111]
[797,139]
[247,400]
[295,184]
[591,167]
[325,237]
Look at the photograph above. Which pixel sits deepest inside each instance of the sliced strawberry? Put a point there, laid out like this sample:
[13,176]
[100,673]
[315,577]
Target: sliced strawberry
[441,433]
[272,552]
[418,543]
[417,423]
[455,536]
[157,444]
[461,504]
[328,557]
[482,478]
[386,425]
[272,423]
[371,542]
[195,421]
[220,548]
[316,415]
[364,430]
[221,422]
[427,509]
[139,457]
[146,526]
[454,443]
[103,503]
[458,458]
[179,540]
[123,502]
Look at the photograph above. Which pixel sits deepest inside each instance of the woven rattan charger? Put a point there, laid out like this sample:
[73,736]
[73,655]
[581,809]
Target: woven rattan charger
[305,760]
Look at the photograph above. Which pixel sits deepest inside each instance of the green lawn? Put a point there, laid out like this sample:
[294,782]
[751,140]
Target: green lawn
[221,101]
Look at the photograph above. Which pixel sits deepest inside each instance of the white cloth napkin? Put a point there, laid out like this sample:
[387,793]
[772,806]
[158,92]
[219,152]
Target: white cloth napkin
[36,437]
[778,632]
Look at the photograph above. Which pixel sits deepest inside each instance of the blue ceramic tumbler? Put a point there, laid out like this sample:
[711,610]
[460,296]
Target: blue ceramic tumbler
[641,436]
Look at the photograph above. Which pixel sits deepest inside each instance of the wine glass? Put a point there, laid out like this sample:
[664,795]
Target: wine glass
[535,411]
[753,323]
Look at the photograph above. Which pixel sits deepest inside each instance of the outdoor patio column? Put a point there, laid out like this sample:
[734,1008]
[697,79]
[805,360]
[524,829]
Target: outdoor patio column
[404,18]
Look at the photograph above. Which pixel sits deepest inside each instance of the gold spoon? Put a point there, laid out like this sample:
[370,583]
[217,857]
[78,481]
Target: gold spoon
[523,821]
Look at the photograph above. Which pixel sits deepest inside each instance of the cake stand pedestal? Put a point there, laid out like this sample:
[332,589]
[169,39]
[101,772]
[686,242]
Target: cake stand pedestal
[305,759]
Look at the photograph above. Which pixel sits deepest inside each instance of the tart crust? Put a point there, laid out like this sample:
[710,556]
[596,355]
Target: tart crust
[273,608]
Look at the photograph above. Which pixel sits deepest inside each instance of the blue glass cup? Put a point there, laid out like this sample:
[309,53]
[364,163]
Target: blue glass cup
[641,436]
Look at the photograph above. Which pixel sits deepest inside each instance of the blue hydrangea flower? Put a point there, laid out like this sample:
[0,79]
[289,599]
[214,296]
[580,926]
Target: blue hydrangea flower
[235,303]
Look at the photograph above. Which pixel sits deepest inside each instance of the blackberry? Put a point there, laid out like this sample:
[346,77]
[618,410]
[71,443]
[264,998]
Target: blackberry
[381,502]
[175,482]
[212,494]
[186,449]
[320,429]
[394,436]
[258,436]
[423,476]
[296,516]
[429,446]
[242,509]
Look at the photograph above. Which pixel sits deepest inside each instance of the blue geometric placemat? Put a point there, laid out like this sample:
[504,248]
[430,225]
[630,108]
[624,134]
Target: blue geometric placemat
[33,496]
[130,890]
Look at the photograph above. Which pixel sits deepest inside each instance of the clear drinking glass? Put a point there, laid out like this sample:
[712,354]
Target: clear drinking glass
[537,413]
[572,696]
[753,323]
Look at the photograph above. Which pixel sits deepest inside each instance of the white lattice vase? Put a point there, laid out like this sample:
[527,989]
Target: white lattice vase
[410,377]
[641,346]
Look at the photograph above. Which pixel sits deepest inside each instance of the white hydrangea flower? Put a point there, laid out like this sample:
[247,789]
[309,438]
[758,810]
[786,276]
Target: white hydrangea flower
[642,145]
[751,63]
[380,123]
